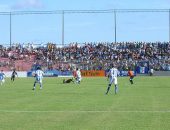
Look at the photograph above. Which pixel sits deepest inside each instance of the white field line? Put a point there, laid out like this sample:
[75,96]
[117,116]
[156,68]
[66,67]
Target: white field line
[84,111]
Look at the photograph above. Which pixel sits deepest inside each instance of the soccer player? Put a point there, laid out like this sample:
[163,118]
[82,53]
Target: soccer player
[14,73]
[2,77]
[131,75]
[78,76]
[151,72]
[68,81]
[38,77]
[112,75]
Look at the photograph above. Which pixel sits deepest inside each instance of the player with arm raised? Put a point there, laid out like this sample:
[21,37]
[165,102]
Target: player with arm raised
[113,73]
[38,77]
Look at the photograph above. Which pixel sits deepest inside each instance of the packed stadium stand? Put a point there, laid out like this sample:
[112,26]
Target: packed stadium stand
[88,56]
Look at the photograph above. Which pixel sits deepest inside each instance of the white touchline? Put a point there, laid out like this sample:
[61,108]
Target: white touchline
[84,111]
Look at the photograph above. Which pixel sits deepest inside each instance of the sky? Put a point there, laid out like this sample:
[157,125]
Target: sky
[81,28]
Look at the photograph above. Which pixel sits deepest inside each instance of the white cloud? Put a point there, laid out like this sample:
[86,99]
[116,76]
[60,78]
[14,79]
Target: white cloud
[28,4]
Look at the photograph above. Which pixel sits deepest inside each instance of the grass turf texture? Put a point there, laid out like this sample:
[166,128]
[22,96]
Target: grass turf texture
[142,106]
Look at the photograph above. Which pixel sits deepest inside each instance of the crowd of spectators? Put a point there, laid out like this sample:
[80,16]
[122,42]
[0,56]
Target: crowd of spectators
[90,56]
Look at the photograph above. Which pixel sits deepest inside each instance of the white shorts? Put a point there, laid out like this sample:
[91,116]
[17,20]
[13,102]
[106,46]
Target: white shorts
[38,80]
[78,78]
[113,80]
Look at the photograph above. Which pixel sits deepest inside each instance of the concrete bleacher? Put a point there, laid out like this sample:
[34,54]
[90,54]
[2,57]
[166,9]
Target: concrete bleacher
[22,65]
[19,65]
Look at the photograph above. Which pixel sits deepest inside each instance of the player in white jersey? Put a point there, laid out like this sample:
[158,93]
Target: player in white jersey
[113,73]
[78,76]
[38,77]
[2,77]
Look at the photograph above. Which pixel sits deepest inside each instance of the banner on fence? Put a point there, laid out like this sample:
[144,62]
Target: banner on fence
[93,73]
[52,73]
[125,73]
[142,70]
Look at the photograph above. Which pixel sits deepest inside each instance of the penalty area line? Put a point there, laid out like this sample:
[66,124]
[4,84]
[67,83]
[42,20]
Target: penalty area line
[84,111]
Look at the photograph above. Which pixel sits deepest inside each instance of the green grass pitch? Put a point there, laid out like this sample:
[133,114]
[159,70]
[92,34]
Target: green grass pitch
[142,106]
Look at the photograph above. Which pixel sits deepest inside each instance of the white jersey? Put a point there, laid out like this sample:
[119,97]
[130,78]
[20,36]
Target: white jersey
[39,75]
[78,73]
[78,76]
[113,72]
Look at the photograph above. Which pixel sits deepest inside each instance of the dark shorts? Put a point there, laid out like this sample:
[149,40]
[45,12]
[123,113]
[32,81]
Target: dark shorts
[131,77]
[13,76]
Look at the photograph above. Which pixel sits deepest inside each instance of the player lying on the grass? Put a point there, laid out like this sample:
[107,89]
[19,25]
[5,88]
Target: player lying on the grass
[112,75]
[68,80]
[2,77]
[131,75]
[38,77]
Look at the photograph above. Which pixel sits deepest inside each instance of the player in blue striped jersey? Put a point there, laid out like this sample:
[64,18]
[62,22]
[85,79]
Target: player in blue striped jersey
[2,77]
[38,77]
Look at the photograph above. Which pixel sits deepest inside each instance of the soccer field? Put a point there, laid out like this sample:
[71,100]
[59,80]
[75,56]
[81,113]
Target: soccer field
[142,106]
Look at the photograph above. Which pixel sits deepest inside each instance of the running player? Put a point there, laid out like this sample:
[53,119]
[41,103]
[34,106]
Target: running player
[131,75]
[112,75]
[14,73]
[38,77]
[78,76]
[2,77]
